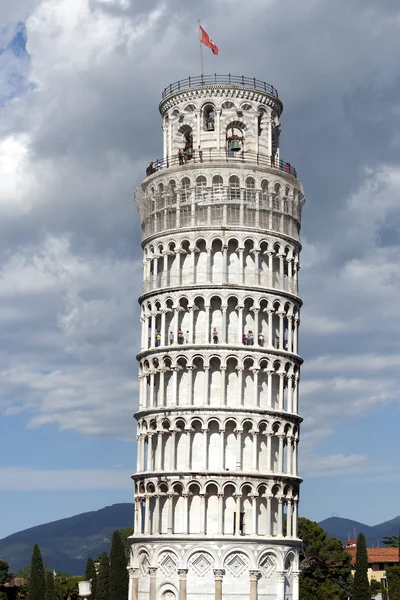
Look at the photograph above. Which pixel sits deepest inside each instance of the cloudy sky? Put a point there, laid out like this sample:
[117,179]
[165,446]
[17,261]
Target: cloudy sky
[80,82]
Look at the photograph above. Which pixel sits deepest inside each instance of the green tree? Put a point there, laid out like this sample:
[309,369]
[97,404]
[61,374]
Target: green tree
[393,581]
[66,587]
[37,581]
[4,574]
[91,575]
[119,579]
[125,533]
[361,583]
[50,590]
[103,578]
[325,564]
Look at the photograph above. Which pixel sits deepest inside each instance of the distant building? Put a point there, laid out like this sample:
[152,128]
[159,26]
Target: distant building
[379,559]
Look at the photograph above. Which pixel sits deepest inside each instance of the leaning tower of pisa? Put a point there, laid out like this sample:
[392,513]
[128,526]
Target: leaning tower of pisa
[216,486]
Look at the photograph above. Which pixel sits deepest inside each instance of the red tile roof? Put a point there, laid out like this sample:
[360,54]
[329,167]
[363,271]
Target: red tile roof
[377,555]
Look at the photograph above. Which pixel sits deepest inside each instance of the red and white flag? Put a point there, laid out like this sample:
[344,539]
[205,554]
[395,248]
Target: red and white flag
[207,41]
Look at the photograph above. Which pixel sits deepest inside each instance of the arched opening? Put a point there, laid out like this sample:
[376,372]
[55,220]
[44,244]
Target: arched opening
[234,138]
[234,188]
[209,117]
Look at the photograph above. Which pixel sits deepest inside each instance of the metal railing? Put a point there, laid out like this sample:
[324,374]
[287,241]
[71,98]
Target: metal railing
[249,82]
[210,155]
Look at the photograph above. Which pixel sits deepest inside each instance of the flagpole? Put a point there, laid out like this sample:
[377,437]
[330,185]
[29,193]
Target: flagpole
[201,52]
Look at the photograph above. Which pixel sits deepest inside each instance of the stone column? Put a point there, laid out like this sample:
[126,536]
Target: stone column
[289,441]
[186,513]
[240,386]
[208,265]
[223,332]
[255,450]
[280,517]
[143,321]
[271,269]
[253,514]
[137,515]
[150,454]
[256,312]
[270,328]
[218,577]
[170,500]
[257,267]
[281,393]
[176,325]
[146,514]
[295,532]
[295,585]
[296,337]
[269,516]
[156,514]
[280,585]
[269,452]
[294,458]
[240,310]
[187,449]
[208,332]
[151,403]
[290,334]
[255,383]
[192,273]
[182,583]
[280,453]
[224,262]
[222,448]
[220,514]
[254,576]
[177,267]
[163,333]
[289,407]
[172,449]
[190,386]
[153,583]
[133,583]
[153,330]
[239,433]
[161,393]
[206,385]
[281,316]
[237,514]
[241,266]
[270,372]
[289,519]
[223,386]
[296,394]
[205,447]
[202,513]
[191,325]
[175,397]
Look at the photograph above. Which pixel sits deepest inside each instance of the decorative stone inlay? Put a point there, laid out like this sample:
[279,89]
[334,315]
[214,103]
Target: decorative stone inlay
[237,563]
[144,564]
[167,563]
[201,563]
[268,565]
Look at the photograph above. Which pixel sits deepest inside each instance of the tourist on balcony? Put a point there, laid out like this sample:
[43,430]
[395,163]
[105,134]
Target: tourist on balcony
[244,339]
[180,156]
[180,336]
[261,339]
[158,338]
[277,341]
[250,338]
[200,154]
[215,335]
[187,337]
[171,337]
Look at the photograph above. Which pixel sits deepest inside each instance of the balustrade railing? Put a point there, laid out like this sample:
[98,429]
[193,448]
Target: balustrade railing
[236,80]
[213,155]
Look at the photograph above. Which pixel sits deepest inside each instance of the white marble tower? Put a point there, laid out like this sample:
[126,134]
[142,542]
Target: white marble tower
[216,486]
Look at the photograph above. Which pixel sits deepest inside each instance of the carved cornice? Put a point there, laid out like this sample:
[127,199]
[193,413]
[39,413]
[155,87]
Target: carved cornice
[221,92]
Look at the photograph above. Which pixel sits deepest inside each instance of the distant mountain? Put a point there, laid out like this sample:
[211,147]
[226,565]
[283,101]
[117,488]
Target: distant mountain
[345,528]
[66,544]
